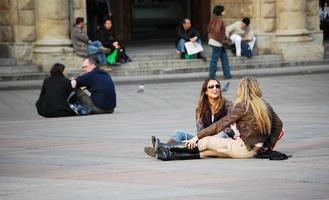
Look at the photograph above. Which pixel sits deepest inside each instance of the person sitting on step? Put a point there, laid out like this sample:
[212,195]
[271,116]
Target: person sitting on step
[187,33]
[83,46]
[107,37]
[241,31]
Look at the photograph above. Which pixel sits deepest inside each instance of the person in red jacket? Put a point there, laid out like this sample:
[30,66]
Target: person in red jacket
[217,39]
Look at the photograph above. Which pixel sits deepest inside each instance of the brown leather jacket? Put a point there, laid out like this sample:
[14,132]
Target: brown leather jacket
[246,124]
[216,30]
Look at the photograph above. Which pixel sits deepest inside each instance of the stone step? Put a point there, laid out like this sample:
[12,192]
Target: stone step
[162,53]
[122,71]
[11,69]
[8,61]
[151,64]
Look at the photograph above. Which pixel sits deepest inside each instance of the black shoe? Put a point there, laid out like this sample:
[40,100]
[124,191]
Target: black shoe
[199,55]
[228,77]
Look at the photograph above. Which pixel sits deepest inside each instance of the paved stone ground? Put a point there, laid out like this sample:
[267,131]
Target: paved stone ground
[101,156]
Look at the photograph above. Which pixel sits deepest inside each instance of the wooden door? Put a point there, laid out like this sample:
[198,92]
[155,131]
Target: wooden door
[200,16]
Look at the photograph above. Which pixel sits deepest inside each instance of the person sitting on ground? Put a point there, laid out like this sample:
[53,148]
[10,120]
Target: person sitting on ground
[186,33]
[99,84]
[83,46]
[54,93]
[241,31]
[259,127]
[107,37]
[217,39]
[212,106]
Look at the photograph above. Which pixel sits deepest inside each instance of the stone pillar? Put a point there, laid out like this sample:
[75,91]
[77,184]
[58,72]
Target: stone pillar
[264,24]
[292,38]
[52,28]
[5,29]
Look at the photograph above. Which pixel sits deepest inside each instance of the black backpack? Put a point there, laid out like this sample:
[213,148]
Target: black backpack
[246,50]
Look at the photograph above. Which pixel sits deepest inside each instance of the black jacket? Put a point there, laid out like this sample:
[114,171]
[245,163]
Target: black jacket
[186,35]
[107,37]
[53,97]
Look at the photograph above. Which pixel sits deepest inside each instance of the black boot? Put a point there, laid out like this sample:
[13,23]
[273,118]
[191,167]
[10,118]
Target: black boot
[178,147]
[175,151]
[165,155]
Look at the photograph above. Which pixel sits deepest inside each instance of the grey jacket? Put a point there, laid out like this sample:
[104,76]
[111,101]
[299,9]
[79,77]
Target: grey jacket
[79,40]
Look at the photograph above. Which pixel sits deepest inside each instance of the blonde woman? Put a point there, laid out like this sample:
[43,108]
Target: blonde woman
[258,124]
[211,107]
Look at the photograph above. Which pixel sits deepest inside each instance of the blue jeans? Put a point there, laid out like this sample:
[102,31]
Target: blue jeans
[219,52]
[93,49]
[181,45]
[179,135]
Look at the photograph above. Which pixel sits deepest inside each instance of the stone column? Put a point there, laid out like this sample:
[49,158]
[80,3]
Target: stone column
[263,22]
[293,39]
[52,28]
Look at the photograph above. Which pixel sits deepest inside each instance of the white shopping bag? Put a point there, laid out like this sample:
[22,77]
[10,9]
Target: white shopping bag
[193,48]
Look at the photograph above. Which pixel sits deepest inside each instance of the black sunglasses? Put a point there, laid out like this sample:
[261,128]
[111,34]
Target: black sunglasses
[212,86]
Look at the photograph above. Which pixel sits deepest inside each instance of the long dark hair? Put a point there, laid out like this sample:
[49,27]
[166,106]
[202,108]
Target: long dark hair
[203,100]
[57,70]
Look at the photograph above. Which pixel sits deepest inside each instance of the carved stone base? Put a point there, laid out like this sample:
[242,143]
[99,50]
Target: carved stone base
[299,47]
[264,43]
[69,59]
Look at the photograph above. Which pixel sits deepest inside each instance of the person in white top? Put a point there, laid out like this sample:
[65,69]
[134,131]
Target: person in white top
[321,13]
[241,31]
[326,10]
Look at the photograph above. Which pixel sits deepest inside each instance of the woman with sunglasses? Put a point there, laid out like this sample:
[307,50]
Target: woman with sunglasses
[258,124]
[212,106]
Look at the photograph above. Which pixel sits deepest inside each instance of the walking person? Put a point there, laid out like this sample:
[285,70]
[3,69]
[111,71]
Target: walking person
[217,39]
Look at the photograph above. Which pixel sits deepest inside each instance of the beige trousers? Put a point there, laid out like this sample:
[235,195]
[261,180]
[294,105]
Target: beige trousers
[213,146]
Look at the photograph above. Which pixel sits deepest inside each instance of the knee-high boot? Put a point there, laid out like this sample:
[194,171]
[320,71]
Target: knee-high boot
[175,152]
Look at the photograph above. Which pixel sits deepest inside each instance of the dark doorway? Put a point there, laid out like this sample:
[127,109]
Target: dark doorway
[151,19]
[157,19]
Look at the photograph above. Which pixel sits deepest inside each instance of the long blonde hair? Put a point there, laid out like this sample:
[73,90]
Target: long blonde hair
[203,100]
[249,94]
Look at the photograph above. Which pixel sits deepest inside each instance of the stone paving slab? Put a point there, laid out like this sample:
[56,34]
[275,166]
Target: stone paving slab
[101,156]
[183,77]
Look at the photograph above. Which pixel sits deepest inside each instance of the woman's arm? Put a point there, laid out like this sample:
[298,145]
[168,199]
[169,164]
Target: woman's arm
[218,126]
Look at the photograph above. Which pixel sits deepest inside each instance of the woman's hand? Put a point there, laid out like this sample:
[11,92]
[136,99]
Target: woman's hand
[192,142]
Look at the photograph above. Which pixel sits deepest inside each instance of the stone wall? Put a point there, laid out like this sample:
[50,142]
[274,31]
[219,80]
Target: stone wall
[38,30]
[5,28]
[287,27]
[17,29]
[297,31]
